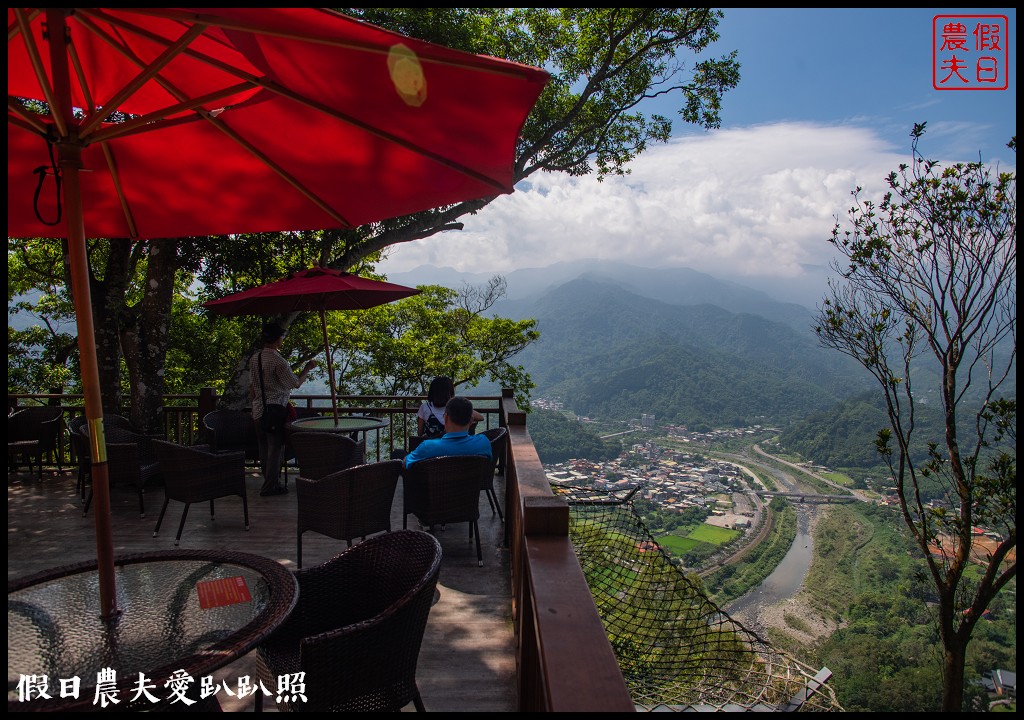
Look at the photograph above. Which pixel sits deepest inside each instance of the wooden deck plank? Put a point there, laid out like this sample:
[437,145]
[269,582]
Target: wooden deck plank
[467,662]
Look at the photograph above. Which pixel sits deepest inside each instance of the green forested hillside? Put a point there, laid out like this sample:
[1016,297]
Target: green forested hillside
[885,656]
[612,354]
[559,438]
[843,436]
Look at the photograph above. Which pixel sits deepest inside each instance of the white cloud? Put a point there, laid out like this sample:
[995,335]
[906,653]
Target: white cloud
[757,201]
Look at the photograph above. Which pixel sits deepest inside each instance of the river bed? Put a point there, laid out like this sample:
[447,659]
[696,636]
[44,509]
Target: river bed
[786,580]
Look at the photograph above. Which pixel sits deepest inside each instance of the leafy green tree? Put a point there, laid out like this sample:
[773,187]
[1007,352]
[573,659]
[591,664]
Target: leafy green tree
[400,347]
[930,274]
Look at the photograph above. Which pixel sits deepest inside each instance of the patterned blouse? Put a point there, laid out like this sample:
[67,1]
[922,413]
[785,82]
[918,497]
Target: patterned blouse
[278,380]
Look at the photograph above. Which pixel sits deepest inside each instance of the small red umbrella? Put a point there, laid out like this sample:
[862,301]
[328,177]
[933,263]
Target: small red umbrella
[170,122]
[316,289]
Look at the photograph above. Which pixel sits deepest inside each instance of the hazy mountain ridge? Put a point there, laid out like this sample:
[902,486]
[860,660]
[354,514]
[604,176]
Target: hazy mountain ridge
[676,286]
[612,353]
[619,340]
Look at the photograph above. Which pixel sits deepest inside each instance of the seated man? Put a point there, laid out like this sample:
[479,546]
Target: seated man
[458,415]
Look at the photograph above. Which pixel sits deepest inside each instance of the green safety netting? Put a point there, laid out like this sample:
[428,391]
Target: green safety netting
[678,651]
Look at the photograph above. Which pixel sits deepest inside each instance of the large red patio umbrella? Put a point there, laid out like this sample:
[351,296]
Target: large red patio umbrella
[169,122]
[319,289]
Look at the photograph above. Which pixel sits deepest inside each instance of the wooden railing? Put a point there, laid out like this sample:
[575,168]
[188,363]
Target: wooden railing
[563,658]
[183,414]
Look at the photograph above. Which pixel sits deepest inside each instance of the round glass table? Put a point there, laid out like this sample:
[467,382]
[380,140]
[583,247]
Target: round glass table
[181,613]
[344,424]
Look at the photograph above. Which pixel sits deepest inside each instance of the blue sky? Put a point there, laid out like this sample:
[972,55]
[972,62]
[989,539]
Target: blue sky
[826,102]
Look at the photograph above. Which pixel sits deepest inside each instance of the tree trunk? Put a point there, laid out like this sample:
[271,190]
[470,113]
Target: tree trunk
[236,392]
[954,657]
[145,337]
[107,297]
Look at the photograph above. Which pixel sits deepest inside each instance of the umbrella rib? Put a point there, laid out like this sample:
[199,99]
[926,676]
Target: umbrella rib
[37,67]
[262,157]
[309,102]
[25,119]
[151,120]
[177,49]
[14,29]
[108,153]
[129,217]
[394,139]
[148,71]
[494,66]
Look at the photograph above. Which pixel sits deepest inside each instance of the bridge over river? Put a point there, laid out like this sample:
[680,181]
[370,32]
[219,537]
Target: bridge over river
[808,497]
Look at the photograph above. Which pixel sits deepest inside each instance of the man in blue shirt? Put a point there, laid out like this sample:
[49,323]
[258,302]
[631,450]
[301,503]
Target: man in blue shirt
[458,415]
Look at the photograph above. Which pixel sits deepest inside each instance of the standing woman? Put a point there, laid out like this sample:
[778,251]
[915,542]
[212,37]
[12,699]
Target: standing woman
[271,383]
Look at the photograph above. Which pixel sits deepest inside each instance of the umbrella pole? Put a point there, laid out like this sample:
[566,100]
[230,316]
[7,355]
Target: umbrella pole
[69,164]
[70,161]
[330,366]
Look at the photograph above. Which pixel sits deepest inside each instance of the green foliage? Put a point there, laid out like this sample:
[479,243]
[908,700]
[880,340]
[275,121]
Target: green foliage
[867,577]
[602,61]
[930,272]
[400,347]
[42,349]
[559,438]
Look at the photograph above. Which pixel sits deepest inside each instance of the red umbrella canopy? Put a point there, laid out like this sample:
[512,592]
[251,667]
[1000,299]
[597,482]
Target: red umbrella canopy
[320,289]
[256,120]
[317,289]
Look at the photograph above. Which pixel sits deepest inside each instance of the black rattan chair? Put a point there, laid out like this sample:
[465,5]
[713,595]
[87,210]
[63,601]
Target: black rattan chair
[322,453]
[499,439]
[229,431]
[351,503]
[80,443]
[357,627]
[193,474]
[33,433]
[444,490]
[130,460]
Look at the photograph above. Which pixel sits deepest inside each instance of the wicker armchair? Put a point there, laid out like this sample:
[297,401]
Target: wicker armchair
[230,431]
[130,460]
[350,503]
[34,432]
[499,439]
[357,627]
[322,453]
[446,489]
[80,443]
[193,474]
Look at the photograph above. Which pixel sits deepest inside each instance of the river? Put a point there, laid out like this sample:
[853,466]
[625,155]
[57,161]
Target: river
[788,576]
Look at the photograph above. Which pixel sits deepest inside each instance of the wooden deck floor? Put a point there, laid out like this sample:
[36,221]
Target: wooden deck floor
[467,662]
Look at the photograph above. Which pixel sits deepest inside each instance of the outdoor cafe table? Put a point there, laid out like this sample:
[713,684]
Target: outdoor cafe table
[180,610]
[352,424]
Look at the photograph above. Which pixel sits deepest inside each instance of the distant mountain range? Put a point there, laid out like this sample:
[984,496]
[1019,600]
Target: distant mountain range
[618,341]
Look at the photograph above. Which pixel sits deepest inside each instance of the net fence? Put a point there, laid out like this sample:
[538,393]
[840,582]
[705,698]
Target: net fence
[678,651]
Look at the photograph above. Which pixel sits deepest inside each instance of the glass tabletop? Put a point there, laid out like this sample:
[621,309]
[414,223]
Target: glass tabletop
[190,611]
[344,423]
